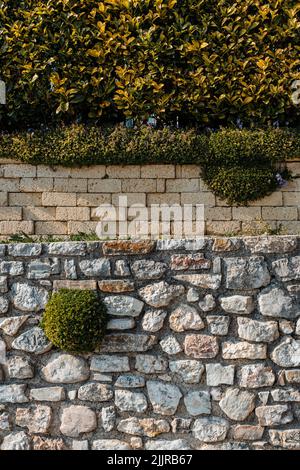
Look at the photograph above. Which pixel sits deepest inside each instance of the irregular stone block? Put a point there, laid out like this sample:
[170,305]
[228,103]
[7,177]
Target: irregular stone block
[153,320]
[108,363]
[24,249]
[241,304]
[95,392]
[11,325]
[120,324]
[246,273]
[124,247]
[287,353]
[47,394]
[127,400]
[212,429]
[110,444]
[288,439]
[65,368]
[148,269]
[77,420]
[108,418]
[95,268]
[218,324]
[217,374]
[13,394]
[243,350]
[16,441]
[29,298]
[201,346]
[45,443]
[287,269]
[205,281]
[187,371]
[274,302]
[121,268]
[160,294]
[161,444]
[272,244]
[148,364]
[273,415]
[192,261]
[197,403]
[80,285]
[237,404]
[256,376]
[67,248]
[43,268]
[208,303]
[257,331]
[116,286]
[288,394]
[247,432]
[130,381]
[163,397]
[123,305]
[126,342]
[185,317]
[170,345]
[36,418]
[12,268]
[33,341]
[4,304]
[19,367]
[149,427]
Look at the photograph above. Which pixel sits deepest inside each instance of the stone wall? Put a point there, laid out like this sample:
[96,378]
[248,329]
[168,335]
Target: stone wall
[202,349]
[60,201]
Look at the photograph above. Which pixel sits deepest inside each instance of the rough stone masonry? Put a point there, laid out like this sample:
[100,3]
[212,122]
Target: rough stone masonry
[202,349]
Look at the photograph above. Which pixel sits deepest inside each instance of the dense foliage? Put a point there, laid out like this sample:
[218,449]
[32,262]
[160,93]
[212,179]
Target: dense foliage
[75,320]
[206,61]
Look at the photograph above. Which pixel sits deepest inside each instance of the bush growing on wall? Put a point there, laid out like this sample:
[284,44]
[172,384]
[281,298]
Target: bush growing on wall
[208,61]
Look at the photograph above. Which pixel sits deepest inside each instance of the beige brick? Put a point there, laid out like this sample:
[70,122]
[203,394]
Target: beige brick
[10,213]
[274,199]
[290,228]
[66,284]
[139,185]
[1,171]
[183,185]
[127,171]
[223,228]
[53,171]
[94,171]
[208,199]
[32,185]
[59,199]
[291,199]
[246,213]
[258,227]
[51,228]
[221,202]
[9,184]
[160,185]
[72,213]
[16,171]
[104,186]
[293,185]
[203,186]
[70,185]
[3,198]
[163,198]
[12,228]
[294,167]
[25,199]
[92,199]
[178,171]
[132,198]
[218,213]
[279,213]
[84,227]
[158,171]
[190,171]
[39,213]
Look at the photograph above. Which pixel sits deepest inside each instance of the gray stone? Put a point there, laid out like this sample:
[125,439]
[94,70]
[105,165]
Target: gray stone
[65,368]
[184,262]
[95,392]
[19,367]
[97,267]
[274,244]
[246,432]
[110,444]
[43,268]
[287,269]
[11,325]
[205,281]
[77,420]
[237,404]
[273,415]
[288,439]
[108,418]
[120,324]
[107,363]
[218,324]
[287,353]
[148,364]
[208,303]
[243,350]
[80,445]
[123,305]
[170,345]
[246,273]
[274,302]
[181,425]
[212,429]
[187,371]
[148,269]
[160,294]
[256,376]
[2,250]
[134,402]
[217,374]
[16,441]
[130,381]
[67,248]
[286,327]
[240,304]
[13,394]
[161,444]
[185,317]
[153,320]
[3,284]
[33,341]
[36,418]
[293,376]
[125,342]
[297,331]
[4,304]
[70,269]
[149,427]
[257,331]
[52,394]
[121,268]
[192,295]
[163,397]
[12,268]
[201,346]
[198,403]
[184,244]
[4,422]
[287,395]
[29,298]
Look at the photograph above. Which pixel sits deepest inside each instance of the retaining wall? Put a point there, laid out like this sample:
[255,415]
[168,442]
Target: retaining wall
[202,349]
[60,201]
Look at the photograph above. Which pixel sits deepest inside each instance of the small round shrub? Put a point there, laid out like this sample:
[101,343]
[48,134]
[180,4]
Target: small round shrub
[75,320]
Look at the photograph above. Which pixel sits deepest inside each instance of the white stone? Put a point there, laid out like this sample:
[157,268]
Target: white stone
[13,394]
[257,331]
[109,363]
[11,325]
[149,364]
[208,303]
[110,444]
[274,302]
[160,294]
[240,304]
[95,268]
[192,295]
[237,404]
[197,402]
[153,320]
[47,394]
[185,317]
[36,418]
[170,345]
[16,441]
[123,305]
[65,368]
[108,418]
[77,420]
[187,371]
[33,341]
[217,374]
[4,304]
[163,397]
[19,367]
[29,298]
[212,429]
[120,324]
[287,353]
[134,402]
[162,444]
[205,281]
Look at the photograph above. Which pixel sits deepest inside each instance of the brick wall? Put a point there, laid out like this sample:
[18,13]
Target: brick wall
[46,200]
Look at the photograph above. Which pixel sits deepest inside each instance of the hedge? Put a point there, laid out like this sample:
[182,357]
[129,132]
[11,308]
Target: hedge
[238,165]
[209,62]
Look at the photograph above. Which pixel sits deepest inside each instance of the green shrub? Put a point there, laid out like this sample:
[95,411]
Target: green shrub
[211,61]
[75,320]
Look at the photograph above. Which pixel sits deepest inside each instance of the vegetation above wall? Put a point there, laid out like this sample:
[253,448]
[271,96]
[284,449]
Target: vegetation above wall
[209,62]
